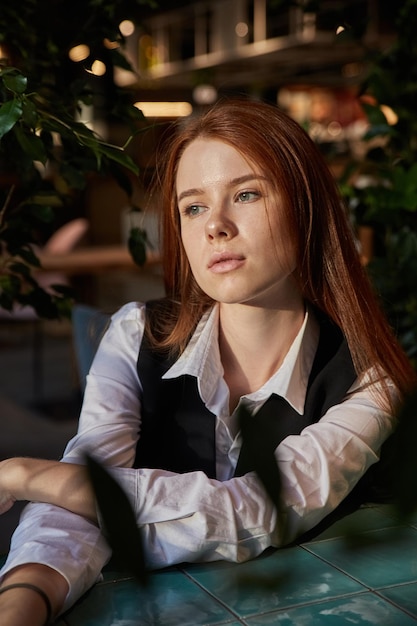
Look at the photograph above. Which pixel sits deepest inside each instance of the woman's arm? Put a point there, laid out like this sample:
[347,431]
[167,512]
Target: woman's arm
[20,606]
[109,424]
[38,480]
[189,517]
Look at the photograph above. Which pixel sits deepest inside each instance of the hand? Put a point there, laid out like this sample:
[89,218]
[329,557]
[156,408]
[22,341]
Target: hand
[7,498]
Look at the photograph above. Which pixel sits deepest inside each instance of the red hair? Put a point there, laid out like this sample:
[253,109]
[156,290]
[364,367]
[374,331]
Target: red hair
[329,272]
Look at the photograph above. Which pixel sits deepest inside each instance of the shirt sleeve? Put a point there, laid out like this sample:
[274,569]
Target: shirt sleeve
[108,428]
[110,417]
[189,517]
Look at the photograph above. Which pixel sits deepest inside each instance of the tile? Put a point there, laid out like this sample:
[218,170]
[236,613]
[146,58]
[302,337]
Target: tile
[112,572]
[172,599]
[413,519]
[361,609]
[388,556]
[404,596]
[279,579]
[400,518]
[364,519]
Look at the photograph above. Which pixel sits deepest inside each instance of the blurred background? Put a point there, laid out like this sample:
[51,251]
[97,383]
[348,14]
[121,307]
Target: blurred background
[90,88]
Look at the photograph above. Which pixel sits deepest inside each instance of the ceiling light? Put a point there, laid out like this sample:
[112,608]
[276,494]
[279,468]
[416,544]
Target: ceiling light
[127,28]
[390,114]
[205,94]
[165,109]
[241,29]
[110,45]
[98,68]
[79,53]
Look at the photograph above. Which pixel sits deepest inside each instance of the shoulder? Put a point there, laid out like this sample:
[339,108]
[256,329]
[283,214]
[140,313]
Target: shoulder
[119,346]
[126,326]
[129,312]
[129,318]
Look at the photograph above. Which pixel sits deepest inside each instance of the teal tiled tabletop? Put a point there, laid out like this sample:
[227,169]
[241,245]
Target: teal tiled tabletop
[372,579]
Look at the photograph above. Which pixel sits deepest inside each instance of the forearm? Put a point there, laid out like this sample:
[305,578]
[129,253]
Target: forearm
[37,480]
[190,517]
[20,606]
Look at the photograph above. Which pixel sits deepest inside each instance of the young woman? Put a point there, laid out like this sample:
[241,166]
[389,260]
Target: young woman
[268,308]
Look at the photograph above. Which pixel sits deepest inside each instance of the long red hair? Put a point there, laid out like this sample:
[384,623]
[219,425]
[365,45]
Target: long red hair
[329,272]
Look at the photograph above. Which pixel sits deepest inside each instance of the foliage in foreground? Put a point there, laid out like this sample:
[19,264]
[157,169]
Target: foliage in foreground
[47,153]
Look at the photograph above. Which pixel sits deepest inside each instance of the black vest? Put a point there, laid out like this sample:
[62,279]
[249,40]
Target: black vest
[178,431]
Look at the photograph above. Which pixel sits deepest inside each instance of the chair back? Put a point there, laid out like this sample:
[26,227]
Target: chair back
[88,326]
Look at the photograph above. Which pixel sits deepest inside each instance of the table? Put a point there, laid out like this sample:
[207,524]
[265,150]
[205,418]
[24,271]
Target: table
[93,259]
[322,582]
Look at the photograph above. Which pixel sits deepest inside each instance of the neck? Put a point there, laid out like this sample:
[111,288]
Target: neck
[253,344]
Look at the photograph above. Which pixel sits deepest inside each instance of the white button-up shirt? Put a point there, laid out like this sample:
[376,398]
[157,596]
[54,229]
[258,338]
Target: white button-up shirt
[190,517]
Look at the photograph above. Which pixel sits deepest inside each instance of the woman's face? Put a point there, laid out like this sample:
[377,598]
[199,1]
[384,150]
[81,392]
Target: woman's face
[233,227]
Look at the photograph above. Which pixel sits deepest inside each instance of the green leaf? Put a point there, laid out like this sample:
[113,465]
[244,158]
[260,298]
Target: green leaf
[15,82]
[62,290]
[28,255]
[6,301]
[41,208]
[406,459]
[30,114]
[31,144]
[10,113]
[74,176]
[121,60]
[121,530]
[10,285]
[261,457]
[374,114]
[43,302]
[122,178]
[119,156]
[137,245]
[20,268]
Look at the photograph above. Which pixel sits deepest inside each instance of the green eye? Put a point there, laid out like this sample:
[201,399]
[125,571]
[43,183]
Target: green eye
[193,210]
[248,196]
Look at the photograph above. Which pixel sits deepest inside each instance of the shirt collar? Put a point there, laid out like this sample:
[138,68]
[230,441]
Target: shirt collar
[201,359]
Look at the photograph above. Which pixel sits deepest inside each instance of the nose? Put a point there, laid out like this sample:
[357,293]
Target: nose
[220,226]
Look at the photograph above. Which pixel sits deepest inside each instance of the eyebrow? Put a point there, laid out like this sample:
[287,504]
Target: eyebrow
[195,191]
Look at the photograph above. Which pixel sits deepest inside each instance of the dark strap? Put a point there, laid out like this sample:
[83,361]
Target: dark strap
[331,376]
[177,430]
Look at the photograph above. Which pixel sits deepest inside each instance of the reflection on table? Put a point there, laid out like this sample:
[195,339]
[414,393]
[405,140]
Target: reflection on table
[321,582]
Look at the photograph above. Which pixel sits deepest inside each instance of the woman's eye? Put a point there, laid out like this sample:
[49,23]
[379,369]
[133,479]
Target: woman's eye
[248,196]
[193,210]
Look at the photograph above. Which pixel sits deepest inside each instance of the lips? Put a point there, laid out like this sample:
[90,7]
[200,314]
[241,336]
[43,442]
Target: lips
[225,262]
